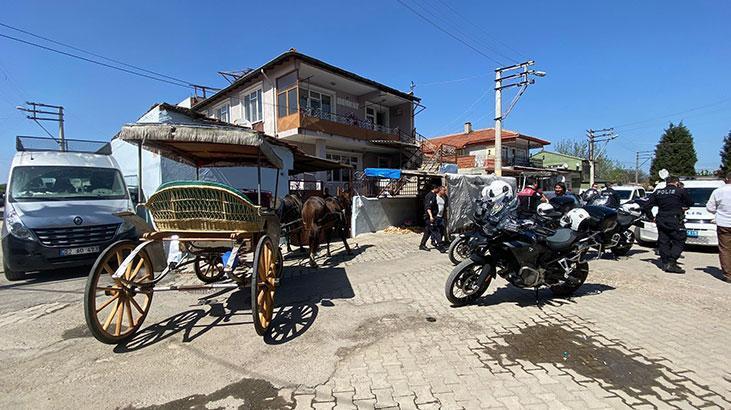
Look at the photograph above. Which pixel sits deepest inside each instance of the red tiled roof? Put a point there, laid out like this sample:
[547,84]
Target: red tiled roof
[482,136]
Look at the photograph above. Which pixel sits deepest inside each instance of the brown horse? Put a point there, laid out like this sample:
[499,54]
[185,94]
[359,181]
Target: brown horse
[291,213]
[325,215]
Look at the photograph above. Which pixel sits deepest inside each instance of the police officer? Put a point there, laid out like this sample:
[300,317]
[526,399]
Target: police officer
[613,200]
[671,201]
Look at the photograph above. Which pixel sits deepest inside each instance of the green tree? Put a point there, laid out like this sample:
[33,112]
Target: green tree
[675,152]
[604,167]
[725,156]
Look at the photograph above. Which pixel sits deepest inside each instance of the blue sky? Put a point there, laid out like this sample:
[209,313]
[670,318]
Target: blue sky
[622,63]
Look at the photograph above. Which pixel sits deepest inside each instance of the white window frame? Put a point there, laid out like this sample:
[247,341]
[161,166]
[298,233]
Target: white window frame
[225,107]
[331,154]
[377,109]
[321,91]
[259,93]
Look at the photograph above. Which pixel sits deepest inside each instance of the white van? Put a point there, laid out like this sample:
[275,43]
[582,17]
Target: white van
[59,209]
[700,224]
[629,192]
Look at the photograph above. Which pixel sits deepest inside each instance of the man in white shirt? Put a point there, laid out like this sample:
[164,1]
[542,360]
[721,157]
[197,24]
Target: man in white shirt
[720,204]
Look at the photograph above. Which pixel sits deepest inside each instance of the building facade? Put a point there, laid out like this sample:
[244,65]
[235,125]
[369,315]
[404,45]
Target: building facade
[476,148]
[324,110]
[577,169]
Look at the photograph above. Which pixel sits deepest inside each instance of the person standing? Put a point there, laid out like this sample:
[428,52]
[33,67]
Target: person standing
[613,200]
[529,198]
[431,209]
[719,204]
[440,220]
[671,201]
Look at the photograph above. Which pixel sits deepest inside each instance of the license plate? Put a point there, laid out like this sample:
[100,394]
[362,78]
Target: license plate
[79,251]
[692,234]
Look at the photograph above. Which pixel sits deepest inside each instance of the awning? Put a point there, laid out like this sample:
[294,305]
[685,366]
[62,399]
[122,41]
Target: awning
[309,163]
[383,173]
[205,145]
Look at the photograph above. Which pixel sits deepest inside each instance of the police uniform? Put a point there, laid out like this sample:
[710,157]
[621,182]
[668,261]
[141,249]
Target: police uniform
[671,234]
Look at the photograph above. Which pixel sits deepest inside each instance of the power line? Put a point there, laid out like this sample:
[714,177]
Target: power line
[94,54]
[467,111]
[447,32]
[719,102]
[487,34]
[440,15]
[93,61]
[456,80]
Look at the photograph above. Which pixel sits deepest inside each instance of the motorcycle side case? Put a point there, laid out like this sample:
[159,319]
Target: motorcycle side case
[601,218]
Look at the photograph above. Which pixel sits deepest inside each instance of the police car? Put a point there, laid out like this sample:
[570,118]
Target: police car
[700,224]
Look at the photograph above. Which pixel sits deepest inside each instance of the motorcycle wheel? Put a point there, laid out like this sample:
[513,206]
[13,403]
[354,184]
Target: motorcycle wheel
[622,248]
[462,287]
[458,250]
[568,289]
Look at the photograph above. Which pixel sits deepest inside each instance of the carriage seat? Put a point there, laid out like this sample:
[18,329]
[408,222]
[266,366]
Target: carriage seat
[203,206]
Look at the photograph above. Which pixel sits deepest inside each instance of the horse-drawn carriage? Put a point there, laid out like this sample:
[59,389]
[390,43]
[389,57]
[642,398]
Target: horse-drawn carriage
[210,225]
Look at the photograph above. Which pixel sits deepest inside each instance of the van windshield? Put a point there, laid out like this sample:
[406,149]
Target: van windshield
[59,183]
[699,195]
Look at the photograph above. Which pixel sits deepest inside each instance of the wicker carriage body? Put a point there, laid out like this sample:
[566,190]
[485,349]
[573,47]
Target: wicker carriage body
[203,206]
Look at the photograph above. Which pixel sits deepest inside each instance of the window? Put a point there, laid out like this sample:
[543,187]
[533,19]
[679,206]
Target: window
[315,102]
[253,106]
[287,94]
[383,162]
[375,116]
[55,183]
[341,175]
[221,113]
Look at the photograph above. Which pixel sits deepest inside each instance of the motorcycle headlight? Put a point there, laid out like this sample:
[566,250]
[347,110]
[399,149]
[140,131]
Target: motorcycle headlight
[15,225]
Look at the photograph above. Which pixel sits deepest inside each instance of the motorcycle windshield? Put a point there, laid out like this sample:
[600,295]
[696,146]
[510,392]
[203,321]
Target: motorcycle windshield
[503,208]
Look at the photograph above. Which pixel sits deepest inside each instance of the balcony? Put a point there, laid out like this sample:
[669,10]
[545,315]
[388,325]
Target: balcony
[470,161]
[331,123]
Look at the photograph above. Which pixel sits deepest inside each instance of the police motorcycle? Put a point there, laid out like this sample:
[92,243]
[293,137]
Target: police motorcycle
[459,249]
[629,215]
[526,254]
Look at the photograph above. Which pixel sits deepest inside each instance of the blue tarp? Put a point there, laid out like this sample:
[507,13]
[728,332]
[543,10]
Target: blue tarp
[383,173]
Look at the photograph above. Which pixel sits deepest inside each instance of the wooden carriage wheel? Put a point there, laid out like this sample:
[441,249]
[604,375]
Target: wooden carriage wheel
[209,268]
[115,311]
[263,284]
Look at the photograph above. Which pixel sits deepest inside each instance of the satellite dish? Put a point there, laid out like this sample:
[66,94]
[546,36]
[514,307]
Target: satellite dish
[664,173]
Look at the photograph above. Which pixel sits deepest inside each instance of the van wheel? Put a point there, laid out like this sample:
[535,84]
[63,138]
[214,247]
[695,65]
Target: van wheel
[11,274]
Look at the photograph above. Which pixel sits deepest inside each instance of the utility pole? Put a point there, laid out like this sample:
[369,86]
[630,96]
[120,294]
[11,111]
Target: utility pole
[646,155]
[594,136]
[41,114]
[522,81]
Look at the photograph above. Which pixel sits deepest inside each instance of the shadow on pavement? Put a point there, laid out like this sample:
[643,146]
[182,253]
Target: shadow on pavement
[296,301]
[338,255]
[713,271]
[528,297]
[49,277]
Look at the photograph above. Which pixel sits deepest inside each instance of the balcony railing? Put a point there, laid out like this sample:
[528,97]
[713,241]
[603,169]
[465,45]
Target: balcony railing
[347,120]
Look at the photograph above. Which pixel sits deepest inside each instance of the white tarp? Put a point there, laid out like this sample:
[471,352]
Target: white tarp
[463,191]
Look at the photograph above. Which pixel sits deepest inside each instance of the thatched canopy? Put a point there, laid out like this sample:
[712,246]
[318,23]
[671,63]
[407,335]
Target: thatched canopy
[205,145]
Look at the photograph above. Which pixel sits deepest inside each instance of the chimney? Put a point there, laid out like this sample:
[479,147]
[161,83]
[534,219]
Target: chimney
[467,127]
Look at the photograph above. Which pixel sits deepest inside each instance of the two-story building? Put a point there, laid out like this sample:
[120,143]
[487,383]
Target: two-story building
[476,148]
[577,168]
[324,110]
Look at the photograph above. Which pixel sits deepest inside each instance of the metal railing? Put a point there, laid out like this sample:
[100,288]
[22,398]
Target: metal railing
[347,120]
